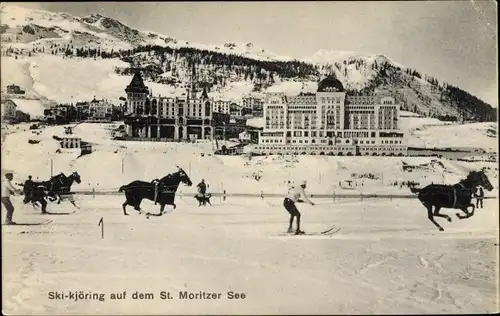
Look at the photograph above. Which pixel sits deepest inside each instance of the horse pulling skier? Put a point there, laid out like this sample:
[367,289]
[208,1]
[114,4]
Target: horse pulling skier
[53,189]
[457,196]
[160,191]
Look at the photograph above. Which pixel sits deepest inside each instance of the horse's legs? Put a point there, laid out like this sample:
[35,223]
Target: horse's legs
[162,208]
[137,205]
[436,213]
[44,206]
[58,197]
[72,201]
[467,214]
[430,215]
[175,206]
[473,209]
[124,205]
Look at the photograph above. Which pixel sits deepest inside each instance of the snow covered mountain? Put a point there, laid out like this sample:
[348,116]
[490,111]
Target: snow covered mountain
[229,70]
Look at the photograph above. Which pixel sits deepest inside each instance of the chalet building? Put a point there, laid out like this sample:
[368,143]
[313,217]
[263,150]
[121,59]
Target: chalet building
[331,123]
[167,118]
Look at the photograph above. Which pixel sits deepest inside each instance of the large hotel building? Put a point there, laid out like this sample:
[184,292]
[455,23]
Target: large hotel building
[166,118]
[331,123]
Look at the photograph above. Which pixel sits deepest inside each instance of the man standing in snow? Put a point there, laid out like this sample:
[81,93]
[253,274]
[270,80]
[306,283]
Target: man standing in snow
[7,190]
[479,196]
[289,203]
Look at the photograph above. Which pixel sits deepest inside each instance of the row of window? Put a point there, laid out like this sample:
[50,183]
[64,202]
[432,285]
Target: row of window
[362,150]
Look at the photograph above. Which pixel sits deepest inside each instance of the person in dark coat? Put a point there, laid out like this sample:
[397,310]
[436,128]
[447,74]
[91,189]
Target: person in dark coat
[27,189]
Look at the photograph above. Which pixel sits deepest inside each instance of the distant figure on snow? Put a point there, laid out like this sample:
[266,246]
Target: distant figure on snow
[202,189]
[7,190]
[479,196]
[289,203]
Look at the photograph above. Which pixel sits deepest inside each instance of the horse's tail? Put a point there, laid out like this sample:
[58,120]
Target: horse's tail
[122,188]
[415,190]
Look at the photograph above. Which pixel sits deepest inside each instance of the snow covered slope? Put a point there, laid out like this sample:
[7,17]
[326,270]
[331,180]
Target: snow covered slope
[126,161]
[28,33]
[27,28]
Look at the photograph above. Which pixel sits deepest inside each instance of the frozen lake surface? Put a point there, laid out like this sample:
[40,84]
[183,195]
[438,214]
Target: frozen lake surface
[387,258]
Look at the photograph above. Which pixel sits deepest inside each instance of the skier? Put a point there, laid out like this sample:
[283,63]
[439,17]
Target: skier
[7,190]
[289,203]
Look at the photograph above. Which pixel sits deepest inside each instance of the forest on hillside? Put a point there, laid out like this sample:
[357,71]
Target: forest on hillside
[174,66]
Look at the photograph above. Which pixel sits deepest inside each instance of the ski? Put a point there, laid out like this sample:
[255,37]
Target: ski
[30,224]
[53,213]
[328,232]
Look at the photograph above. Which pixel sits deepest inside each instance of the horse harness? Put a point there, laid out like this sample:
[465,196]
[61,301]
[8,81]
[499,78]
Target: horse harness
[455,194]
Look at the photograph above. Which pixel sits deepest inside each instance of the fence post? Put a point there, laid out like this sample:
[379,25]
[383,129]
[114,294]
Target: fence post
[333,195]
[224,197]
[361,196]
[93,193]
[262,194]
[221,187]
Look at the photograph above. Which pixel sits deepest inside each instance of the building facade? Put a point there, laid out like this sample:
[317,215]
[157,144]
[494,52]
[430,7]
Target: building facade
[8,110]
[167,118]
[22,110]
[331,123]
[221,106]
[253,103]
[100,109]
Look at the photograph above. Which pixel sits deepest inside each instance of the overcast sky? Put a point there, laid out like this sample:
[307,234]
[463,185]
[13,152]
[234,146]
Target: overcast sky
[455,41]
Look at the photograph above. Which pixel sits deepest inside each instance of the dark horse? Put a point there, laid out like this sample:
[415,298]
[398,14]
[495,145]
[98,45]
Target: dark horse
[160,191]
[52,189]
[457,196]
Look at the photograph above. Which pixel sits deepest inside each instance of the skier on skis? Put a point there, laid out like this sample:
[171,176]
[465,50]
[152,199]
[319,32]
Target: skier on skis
[289,203]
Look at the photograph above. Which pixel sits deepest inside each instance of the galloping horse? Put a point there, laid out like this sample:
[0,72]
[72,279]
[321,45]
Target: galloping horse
[160,191]
[457,196]
[52,189]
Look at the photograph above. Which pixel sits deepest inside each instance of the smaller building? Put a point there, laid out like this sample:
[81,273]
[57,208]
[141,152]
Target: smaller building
[253,103]
[8,111]
[22,110]
[15,89]
[221,106]
[234,109]
[245,137]
[71,142]
[100,109]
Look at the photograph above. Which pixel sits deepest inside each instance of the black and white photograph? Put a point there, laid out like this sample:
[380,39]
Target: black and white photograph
[249,158]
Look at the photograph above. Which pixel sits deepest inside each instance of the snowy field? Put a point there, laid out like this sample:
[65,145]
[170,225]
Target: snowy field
[386,259]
